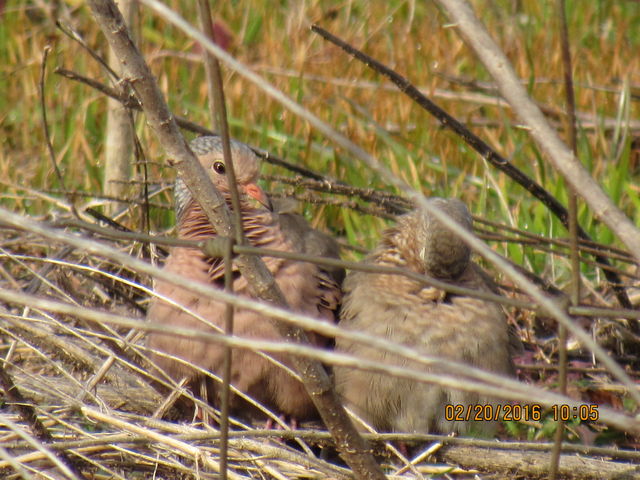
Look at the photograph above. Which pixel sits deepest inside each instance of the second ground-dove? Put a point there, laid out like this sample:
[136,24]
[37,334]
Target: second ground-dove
[453,327]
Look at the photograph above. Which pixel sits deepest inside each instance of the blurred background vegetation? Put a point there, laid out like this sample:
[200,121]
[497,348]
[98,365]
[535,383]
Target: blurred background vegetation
[274,39]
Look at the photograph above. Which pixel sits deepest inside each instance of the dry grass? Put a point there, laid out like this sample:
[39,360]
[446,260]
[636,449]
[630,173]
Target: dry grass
[54,356]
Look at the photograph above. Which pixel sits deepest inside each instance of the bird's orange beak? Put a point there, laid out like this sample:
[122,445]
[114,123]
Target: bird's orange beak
[255,192]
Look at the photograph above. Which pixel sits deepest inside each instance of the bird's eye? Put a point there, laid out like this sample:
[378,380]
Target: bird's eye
[218,167]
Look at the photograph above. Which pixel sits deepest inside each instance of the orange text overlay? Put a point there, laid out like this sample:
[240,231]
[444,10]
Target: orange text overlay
[518,413]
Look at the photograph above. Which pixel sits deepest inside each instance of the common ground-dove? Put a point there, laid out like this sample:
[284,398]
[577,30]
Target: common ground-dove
[437,323]
[307,288]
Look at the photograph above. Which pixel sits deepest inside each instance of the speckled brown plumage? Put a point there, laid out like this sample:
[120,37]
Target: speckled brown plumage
[454,327]
[307,289]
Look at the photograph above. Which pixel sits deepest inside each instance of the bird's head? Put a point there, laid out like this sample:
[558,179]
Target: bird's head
[440,251]
[208,149]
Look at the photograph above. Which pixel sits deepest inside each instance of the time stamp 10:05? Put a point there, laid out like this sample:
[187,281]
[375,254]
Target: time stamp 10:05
[517,413]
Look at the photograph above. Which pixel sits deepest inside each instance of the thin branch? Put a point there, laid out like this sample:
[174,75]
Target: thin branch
[300,257]
[74,35]
[588,246]
[393,204]
[218,112]
[554,461]
[45,123]
[308,197]
[129,101]
[45,126]
[120,129]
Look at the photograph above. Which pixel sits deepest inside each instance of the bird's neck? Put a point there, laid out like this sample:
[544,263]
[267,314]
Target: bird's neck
[395,251]
[193,223]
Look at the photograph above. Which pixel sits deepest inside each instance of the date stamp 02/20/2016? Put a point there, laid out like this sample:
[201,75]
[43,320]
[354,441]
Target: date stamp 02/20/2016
[531,412]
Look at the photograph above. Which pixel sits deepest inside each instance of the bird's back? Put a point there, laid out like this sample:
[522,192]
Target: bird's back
[436,323]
